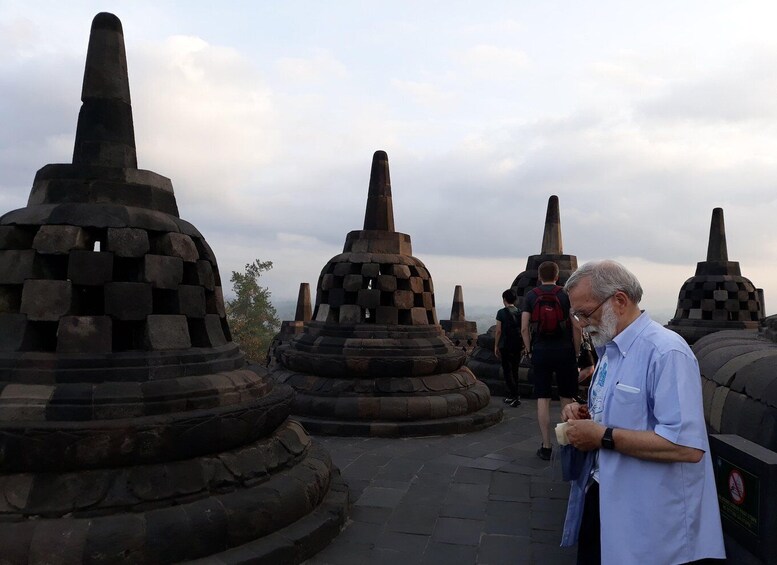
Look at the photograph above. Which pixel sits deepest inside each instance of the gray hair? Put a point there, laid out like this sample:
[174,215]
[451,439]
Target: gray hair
[607,278]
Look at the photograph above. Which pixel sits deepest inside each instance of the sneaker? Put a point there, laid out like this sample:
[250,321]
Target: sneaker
[544,453]
[516,402]
[508,400]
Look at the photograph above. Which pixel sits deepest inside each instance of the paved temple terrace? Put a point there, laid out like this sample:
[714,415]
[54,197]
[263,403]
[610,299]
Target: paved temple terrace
[477,498]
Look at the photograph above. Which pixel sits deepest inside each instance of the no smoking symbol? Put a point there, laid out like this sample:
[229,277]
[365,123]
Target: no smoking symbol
[736,487]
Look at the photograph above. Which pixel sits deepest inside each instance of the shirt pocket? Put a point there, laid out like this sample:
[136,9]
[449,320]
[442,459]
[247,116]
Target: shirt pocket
[626,394]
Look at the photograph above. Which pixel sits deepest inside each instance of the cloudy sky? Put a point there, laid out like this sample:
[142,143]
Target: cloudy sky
[641,116]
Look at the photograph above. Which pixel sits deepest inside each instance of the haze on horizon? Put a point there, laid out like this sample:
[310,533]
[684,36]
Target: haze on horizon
[641,117]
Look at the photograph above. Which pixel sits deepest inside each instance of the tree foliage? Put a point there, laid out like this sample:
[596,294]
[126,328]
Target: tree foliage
[252,317]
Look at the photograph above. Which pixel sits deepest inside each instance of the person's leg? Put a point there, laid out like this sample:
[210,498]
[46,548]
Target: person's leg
[589,543]
[543,419]
[542,364]
[507,373]
[515,363]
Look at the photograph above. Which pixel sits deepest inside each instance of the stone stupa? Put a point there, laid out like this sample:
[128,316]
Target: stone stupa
[131,428]
[374,360]
[717,297]
[289,328]
[460,331]
[482,361]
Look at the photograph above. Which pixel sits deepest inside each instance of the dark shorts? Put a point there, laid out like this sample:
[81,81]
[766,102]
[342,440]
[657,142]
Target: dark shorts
[562,363]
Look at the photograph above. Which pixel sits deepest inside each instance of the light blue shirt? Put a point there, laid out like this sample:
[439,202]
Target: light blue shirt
[651,512]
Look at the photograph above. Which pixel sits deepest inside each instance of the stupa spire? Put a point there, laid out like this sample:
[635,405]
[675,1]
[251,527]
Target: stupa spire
[105,134]
[457,309]
[551,238]
[304,311]
[380,210]
[717,249]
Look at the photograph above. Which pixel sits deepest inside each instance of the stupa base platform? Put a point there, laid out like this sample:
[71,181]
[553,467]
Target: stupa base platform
[465,423]
[278,500]
[298,541]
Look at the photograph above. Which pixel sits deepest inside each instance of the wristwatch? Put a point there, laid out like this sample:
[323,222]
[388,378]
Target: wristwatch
[607,441]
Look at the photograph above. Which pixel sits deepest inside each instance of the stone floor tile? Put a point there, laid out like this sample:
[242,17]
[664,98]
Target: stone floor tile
[458,531]
[445,554]
[380,497]
[504,550]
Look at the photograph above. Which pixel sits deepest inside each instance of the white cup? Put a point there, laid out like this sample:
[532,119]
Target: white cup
[561,433]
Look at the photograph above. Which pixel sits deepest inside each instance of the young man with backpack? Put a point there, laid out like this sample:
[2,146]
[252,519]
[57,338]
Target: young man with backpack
[552,342]
[507,344]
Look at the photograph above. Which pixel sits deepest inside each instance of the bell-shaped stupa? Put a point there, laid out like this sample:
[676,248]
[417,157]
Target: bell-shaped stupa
[482,361]
[374,360]
[460,331]
[289,328]
[717,297]
[131,428]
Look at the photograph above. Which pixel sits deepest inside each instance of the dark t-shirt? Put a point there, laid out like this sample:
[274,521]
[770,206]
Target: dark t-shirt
[502,317]
[564,338]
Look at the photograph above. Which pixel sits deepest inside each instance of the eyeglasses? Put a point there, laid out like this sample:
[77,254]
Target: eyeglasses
[585,318]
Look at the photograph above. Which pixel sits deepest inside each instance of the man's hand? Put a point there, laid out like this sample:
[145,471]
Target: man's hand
[585,435]
[575,411]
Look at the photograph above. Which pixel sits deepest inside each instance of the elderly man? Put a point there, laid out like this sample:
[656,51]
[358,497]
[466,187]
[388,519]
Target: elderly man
[646,493]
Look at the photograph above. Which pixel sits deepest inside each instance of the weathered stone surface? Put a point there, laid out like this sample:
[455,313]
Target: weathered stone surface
[127,242]
[60,240]
[84,334]
[205,274]
[17,265]
[215,331]
[162,271]
[178,245]
[167,332]
[44,300]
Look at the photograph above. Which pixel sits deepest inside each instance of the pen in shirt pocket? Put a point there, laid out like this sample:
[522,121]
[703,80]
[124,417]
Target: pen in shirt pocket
[626,388]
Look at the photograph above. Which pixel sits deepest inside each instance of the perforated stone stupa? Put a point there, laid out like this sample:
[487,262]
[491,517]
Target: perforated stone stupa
[717,297]
[374,360]
[483,362]
[131,429]
[289,328]
[460,331]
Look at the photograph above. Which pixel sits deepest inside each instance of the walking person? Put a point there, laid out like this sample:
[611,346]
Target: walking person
[507,344]
[552,343]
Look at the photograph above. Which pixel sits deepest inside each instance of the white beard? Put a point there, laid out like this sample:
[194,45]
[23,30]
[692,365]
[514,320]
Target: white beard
[605,331]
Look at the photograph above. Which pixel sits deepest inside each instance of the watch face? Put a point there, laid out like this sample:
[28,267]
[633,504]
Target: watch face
[607,441]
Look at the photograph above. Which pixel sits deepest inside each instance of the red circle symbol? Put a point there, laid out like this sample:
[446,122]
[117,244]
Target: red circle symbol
[736,487]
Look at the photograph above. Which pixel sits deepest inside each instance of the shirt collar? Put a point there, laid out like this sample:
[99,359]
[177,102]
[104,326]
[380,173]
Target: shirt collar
[624,340]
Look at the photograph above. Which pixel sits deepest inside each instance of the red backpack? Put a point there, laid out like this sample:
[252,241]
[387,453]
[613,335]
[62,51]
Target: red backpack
[547,314]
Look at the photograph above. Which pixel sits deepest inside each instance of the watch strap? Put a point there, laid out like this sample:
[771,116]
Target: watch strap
[607,440]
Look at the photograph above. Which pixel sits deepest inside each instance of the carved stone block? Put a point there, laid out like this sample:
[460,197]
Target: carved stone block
[164,332]
[45,300]
[162,271]
[127,242]
[60,240]
[84,334]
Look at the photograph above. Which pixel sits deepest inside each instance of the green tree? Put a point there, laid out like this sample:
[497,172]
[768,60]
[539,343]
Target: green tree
[252,317]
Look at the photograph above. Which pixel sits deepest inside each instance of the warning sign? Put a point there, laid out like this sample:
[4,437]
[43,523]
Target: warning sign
[738,495]
[736,486]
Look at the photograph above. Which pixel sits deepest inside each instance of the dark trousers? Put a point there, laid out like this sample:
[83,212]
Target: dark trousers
[511,360]
[589,548]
